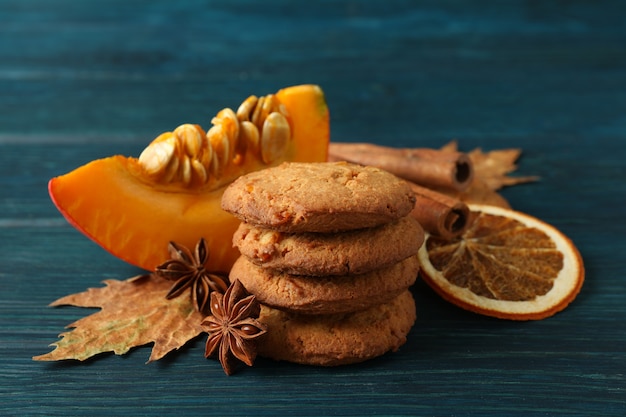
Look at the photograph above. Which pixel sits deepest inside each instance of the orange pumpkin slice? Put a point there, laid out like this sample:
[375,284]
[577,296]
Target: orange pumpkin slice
[133,207]
[507,264]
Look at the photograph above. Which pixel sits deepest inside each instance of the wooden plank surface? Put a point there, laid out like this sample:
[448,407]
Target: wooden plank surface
[85,80]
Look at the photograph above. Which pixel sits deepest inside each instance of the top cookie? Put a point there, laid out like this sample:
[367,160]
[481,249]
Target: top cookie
[318,197]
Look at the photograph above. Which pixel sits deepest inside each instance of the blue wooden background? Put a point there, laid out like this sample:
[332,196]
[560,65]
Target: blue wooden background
[81,80]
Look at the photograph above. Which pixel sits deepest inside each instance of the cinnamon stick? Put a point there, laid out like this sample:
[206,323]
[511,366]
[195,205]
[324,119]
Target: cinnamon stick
[439,214]
[427,167]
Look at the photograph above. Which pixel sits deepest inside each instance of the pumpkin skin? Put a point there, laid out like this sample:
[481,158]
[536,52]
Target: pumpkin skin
[134,217]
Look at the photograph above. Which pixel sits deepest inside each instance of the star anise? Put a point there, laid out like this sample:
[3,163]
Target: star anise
[233,327]
[188,270]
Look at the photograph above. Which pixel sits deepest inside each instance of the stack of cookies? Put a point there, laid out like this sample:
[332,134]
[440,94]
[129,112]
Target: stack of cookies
[329,251]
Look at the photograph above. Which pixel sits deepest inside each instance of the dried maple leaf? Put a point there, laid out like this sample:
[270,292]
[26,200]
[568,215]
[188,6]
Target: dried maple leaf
[480,193]
[491,171]
[492,167]
[134,312]
[451,146]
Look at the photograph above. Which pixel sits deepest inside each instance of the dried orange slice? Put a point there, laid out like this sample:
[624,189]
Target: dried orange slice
[507,264]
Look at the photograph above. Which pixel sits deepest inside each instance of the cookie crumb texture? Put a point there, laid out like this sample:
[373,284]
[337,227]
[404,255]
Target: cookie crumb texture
[325,295]
[318,197]
[339,339]
[324,248]
[323,254]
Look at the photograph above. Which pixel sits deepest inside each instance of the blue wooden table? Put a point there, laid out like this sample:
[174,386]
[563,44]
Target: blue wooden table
[81,80]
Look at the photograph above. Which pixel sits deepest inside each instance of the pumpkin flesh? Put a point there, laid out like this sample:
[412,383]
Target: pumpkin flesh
[134,217]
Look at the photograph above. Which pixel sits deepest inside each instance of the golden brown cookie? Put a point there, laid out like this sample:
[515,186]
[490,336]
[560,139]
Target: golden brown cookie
[318,197]
[337,339]
[328,294]
[352,252]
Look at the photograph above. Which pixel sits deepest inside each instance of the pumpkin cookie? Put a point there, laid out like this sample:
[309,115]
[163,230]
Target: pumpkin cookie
[337,339]
[325,294]
[318,197]
[352,252]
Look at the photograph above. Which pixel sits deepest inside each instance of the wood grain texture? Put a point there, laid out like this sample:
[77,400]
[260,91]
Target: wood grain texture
[84,80]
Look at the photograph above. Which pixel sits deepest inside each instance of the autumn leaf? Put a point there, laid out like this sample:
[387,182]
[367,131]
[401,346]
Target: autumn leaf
[134,312]
[493,167]
[491,173]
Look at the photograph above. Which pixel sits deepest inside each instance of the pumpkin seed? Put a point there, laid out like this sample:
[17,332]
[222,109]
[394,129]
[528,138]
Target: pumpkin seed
[274,137]
[191,138]
[189,156]
[157,155]
[244,110]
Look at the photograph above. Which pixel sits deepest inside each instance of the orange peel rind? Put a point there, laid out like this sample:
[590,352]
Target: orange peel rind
[504,266]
